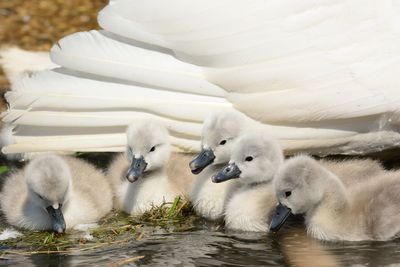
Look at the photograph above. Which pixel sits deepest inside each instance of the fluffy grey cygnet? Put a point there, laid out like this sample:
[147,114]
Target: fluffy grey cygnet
[368,211]
[55,193]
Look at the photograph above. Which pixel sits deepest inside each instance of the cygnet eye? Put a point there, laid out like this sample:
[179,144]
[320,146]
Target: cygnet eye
[40,197]
[152,148]
[288,193]
[249,158]
[223,142]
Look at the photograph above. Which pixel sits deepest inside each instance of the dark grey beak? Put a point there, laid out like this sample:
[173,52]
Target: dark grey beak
[282,213]
[57,219]
[203,159]
[137,169]
[231,171]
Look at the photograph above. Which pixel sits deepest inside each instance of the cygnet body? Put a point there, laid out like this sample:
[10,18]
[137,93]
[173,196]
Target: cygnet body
[55,193]
[139,177]
[218,134]
[255,159]
[368,211]
[354,171]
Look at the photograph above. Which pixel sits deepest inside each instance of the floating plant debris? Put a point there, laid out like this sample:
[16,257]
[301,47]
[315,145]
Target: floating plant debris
[116,228]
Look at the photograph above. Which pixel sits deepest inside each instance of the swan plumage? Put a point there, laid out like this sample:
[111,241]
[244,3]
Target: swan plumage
[323,79]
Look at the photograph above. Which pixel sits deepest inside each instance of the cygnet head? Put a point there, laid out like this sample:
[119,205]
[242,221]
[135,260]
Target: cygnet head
[48,178]
[148,147]
[218,133]
[299,188]
[255,158]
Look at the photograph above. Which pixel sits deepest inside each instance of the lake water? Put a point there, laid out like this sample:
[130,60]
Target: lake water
[206,246]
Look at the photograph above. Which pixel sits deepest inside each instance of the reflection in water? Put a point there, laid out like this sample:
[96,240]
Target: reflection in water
[300,250]
[51,260]
[42,260]
[212,247]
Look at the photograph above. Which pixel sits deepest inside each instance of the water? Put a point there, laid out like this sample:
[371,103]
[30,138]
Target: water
[208,247]
[208,244]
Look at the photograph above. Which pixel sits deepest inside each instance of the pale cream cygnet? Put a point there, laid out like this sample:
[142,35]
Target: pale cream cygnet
[139,177]
[255,159]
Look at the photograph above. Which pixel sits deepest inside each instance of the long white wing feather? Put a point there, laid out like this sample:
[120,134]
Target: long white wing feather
[42,90]
[91,143]
[94,52]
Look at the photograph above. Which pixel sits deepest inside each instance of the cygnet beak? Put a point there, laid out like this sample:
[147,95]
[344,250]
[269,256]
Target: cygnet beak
[231,171]
[203,159]
[281,214]
[137,169]
[57,218]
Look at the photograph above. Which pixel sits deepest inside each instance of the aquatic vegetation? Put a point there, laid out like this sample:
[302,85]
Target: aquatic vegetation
[115,228]
[3,169]
[178,214]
